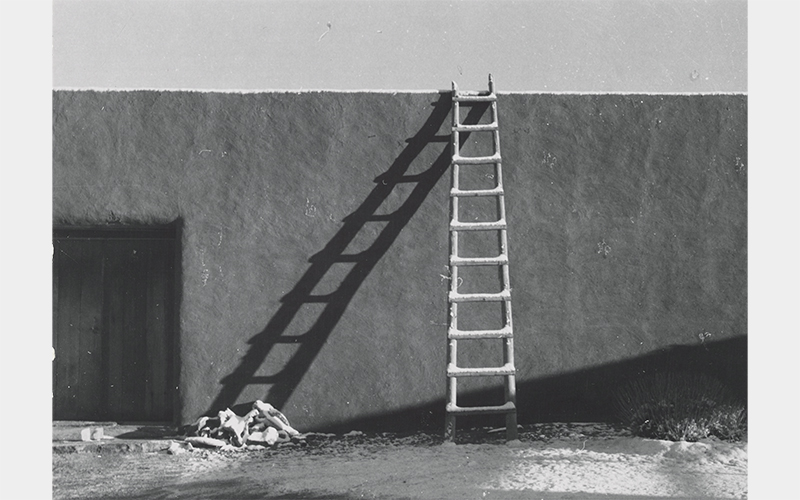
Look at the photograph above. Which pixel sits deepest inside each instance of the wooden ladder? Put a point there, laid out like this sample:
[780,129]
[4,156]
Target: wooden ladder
[454,334]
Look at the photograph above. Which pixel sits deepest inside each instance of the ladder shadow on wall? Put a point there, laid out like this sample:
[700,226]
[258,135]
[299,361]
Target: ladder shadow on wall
[285,380]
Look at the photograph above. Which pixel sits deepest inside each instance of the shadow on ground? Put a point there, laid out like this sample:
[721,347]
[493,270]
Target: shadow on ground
[243,490]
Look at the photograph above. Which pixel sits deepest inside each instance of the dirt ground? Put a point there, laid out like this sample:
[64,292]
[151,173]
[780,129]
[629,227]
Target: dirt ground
[551,461]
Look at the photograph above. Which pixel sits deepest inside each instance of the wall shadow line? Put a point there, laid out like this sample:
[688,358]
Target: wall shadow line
[585,395]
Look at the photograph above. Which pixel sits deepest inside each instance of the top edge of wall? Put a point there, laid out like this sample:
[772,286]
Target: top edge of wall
[372,91]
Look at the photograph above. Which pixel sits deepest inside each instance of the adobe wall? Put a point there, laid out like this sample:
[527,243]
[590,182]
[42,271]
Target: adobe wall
[315,242]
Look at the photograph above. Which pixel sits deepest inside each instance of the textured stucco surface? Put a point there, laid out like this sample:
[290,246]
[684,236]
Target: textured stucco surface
[627,217]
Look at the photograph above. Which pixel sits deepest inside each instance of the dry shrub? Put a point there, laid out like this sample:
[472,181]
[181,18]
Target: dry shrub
[681,406]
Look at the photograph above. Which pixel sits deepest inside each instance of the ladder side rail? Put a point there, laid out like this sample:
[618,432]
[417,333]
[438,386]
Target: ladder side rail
[510,380]
[508,342]
[452,344]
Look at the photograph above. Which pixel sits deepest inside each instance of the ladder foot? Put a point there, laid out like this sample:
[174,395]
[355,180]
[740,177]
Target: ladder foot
[449,427]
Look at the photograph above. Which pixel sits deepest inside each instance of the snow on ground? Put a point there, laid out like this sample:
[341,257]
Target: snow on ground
[626,466]
[570,461]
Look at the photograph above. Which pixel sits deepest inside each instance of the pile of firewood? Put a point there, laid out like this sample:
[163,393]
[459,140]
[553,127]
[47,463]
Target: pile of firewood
[263,425]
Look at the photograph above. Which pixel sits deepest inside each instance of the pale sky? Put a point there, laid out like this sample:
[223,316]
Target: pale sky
[528,45]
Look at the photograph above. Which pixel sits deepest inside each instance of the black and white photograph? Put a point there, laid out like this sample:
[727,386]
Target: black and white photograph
[433,249]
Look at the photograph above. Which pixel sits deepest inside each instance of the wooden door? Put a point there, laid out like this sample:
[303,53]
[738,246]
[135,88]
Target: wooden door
[113,324]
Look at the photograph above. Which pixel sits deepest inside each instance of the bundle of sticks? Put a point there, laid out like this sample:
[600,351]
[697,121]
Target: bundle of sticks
[263,424]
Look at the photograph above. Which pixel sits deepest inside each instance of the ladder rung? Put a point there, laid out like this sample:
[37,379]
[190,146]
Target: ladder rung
[475,410]
[475,128]
[480,297]
[473,160]
[501,259]
[477,226]
[502,333]
[492,371]
[466,96]
[477,192]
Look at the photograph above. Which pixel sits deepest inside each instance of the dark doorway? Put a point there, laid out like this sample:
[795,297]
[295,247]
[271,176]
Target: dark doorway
[114,310]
